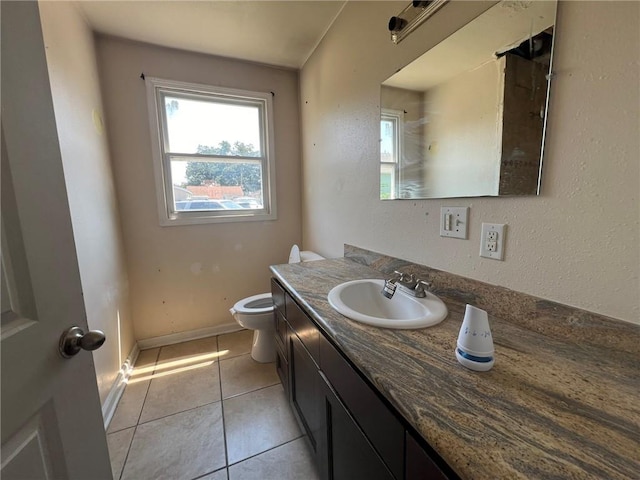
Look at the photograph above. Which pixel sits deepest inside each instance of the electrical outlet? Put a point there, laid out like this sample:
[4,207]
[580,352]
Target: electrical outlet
[454,222]
[492,240]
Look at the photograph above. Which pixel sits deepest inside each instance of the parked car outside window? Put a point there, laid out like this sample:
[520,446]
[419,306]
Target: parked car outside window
[207,205]
[248,202]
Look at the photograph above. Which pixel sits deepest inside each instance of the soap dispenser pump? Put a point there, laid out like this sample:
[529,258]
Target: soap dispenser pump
[474,348]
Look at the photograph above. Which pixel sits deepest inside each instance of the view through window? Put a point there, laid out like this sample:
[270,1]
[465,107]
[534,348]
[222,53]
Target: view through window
[390,125]
[214,149]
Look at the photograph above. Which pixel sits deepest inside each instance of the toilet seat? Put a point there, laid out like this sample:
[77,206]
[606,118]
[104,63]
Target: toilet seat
[255,305]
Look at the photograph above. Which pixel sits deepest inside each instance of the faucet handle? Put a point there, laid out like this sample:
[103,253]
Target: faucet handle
[405,277]
[422,286]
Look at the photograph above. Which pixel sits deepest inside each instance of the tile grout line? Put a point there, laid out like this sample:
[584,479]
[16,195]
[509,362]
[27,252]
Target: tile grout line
[267,450]
[135,429]
[204,405]
[251,391]
[211,473]
[233,397]
[178,413]
[224,435]
[224,426]
[146,394]
[223,418]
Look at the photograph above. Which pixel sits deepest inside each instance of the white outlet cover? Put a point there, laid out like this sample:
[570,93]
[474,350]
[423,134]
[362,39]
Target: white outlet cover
[458,223]
[492,233]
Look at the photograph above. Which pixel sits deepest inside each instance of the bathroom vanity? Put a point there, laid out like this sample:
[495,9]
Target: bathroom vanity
[352,430]
[381,403]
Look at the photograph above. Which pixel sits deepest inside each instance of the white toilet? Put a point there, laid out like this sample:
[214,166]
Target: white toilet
[256,313]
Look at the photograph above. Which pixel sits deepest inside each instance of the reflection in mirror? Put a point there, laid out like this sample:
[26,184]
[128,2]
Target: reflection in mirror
[467,118]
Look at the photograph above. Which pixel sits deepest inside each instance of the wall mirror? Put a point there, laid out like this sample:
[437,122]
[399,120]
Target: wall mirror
[467,118]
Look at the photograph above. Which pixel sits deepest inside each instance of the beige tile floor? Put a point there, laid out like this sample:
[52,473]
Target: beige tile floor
[205,410]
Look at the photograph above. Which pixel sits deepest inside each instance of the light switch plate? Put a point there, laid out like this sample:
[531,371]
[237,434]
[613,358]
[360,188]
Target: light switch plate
[454,222]
[492,240]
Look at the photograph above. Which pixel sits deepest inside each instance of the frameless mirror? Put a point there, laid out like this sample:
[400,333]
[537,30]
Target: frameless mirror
[467,118]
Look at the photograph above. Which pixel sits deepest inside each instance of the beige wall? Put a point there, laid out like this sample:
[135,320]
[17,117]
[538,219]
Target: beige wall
[187,277]
[463,133]
[73,74]
[576,244]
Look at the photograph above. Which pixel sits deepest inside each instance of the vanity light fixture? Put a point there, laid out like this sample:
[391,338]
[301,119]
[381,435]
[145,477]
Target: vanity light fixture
[413,15]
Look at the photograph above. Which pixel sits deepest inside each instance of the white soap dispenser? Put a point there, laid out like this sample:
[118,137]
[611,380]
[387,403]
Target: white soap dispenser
[474,349]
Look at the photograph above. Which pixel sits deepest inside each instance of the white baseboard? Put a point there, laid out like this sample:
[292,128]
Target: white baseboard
[164,340]
[117,389]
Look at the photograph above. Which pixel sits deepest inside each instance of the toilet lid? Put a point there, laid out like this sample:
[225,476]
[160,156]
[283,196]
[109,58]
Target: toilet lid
[262,303]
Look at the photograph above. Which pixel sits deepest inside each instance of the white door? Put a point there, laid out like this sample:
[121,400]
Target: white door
[51,420]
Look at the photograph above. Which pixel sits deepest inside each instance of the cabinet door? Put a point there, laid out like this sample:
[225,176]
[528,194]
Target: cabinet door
[379,424]
[344,448]
[419,465]
[304,383]
[306,330]
[282,369]
[281,333]
[277,294]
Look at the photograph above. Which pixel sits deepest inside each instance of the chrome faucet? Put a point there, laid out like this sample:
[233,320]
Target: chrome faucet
[390,285]
[407,282]
[420,290]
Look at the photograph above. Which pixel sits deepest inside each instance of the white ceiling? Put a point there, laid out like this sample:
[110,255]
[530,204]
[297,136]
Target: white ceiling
[283,33]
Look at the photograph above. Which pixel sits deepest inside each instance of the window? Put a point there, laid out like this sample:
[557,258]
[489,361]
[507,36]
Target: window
[390,152]
[213,153]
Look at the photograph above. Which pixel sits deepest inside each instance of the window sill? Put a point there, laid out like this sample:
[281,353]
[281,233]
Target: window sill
[192,219]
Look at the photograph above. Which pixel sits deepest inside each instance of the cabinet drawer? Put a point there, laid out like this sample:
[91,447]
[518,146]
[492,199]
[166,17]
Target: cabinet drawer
[382,428]
[304,327]
[277,293]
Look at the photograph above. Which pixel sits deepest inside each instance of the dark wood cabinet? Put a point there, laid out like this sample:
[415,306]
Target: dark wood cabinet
[353,431]
[277,294]
[282,336]
[304,328]
[282,369]
[346,452]
[382,428]
[305,383]
[419,464]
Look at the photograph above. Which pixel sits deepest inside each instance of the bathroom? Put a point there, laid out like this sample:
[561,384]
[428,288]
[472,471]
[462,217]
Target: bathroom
[147,285]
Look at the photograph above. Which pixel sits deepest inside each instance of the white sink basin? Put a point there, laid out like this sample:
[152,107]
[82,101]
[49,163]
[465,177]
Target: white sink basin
[362,301]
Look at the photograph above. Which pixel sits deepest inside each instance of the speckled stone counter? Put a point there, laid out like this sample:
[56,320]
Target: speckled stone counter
[550,408]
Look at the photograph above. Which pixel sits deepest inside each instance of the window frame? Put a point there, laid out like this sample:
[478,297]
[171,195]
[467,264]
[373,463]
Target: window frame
[157,89]
[397,119]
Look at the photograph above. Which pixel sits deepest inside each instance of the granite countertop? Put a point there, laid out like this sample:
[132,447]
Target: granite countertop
[548,409]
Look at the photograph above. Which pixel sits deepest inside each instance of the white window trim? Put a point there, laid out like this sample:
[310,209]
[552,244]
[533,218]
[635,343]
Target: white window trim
[397,116]
[162,166]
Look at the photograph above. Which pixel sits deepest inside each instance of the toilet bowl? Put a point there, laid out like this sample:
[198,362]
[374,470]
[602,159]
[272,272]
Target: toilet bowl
[256,313]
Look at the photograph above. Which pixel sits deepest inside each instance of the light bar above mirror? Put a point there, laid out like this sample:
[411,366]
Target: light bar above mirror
[411,17]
